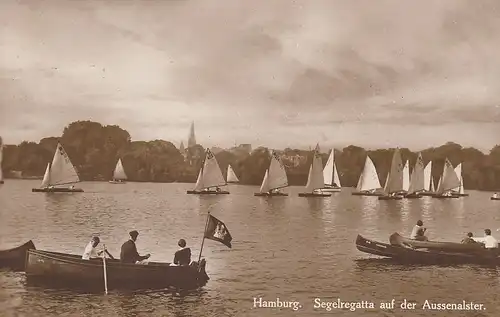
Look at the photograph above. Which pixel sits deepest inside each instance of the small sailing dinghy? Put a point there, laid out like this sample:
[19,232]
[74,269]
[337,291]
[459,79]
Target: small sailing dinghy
[369,183]
[231,175]
[495,197]
[274,179]
[209,178]
[59,174]
[394,183]
[429,188]
[459,190]
[1,158]
[331,176]
[417,179]
[119,175]
[448,181]
[315,181]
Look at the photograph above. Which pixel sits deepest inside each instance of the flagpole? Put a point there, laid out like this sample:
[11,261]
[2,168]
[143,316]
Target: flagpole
[203,240]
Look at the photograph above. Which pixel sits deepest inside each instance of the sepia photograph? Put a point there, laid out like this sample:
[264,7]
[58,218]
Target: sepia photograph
[192,158]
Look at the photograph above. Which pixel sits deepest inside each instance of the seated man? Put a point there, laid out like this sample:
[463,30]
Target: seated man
[183,255]
[418,232]
[468,239]
[91,252]
[129,252]
[489,241]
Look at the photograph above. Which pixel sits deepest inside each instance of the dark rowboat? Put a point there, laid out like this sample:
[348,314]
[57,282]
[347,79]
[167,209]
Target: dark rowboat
[57,190]
[207,192]
[408,255]
[397,239]
[73,272]
[15,258]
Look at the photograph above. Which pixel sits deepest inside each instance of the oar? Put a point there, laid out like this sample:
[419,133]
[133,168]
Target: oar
[104,267]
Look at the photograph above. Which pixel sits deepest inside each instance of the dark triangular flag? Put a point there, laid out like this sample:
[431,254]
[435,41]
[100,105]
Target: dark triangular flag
[217,230]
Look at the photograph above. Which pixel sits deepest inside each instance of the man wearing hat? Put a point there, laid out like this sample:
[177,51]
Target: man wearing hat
[183,255]
[129,252]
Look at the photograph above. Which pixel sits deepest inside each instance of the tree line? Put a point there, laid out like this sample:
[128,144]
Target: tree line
[94,149]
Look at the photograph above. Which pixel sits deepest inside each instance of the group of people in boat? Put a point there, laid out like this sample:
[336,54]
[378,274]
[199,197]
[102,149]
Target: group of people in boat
[490,242]
[129,252]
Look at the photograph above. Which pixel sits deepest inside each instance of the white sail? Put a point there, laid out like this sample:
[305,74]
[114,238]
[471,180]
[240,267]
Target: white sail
[369,178]
[417,181]
[315,178]
[231,175]
[62,170]
[212,174]
[458,171]
[277,172]
[395,179]
[119,173]
[428,184]
[199,181]
[329,170]
[449,179]
[264,188]
[406,176]
[433,188]
[46,177]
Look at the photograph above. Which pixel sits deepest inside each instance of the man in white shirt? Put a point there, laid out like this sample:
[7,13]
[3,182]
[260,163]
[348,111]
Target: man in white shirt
[91,252]
[489,241]
[418,232]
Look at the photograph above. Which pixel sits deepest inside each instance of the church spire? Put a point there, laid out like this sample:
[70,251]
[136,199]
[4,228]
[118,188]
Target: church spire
[192,138]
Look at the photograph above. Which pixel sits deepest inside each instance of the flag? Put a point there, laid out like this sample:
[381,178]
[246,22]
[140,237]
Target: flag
[216,230]
[209,154]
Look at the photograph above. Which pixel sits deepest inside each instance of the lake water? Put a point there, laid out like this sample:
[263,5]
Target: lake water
[288,247]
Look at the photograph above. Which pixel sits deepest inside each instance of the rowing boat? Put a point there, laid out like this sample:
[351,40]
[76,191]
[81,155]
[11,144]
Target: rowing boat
[397,239]
[15,258]
[72,271]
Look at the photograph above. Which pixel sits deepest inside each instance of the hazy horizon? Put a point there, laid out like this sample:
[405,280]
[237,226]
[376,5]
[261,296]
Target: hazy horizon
[276,74]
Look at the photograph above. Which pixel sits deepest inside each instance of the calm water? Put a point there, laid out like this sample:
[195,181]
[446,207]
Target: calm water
[287,247]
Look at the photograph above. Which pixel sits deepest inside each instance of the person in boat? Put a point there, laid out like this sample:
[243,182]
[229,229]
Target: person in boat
[495,195]
[217,189]
[91,251]
[72,187]
[183,255]
[488,240]
[418,232]
[469,239]
[129,252]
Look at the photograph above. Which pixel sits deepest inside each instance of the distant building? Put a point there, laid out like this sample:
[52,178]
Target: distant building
[181,148]
[245,148]
[192,137]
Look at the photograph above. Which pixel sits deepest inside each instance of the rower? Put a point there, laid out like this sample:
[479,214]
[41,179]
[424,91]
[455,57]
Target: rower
[129,252]
[488,240]
[91,252]
[468,239]
[418,232]
[183,255]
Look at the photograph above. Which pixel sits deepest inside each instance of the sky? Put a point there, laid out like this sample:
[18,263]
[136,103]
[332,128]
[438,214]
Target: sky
[278,73]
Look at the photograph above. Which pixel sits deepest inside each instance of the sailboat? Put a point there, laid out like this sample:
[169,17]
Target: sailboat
[119,175]
[448,181]
[429,188]
[394,184]
[369,183]
[209,178]
[331,176]
[1,158]
[315,180]
[459,190]
[417,179]
[59,174]
[274,179]
[231,175]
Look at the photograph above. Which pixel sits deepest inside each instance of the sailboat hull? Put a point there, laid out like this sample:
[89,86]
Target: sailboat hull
[461,195]
[440,196]
[314,195]
[57,190]
[270,194]
[412,196]
[427,194]
[366,194]
[390,197]
[117,182]
[331,189]
[494,198]
[207,192]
